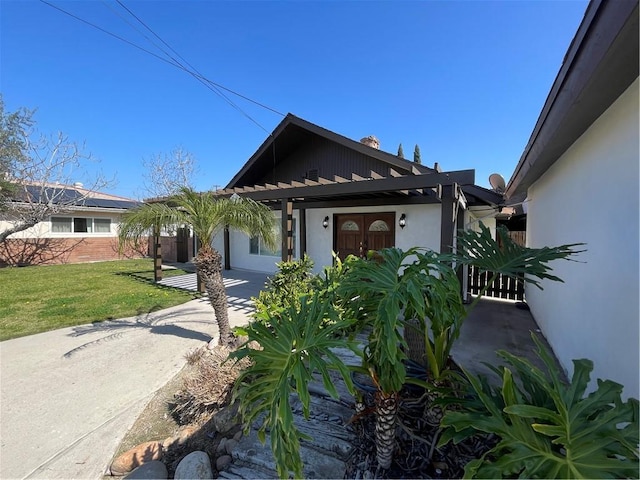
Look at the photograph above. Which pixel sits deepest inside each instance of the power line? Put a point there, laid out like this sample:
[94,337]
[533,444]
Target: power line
[213,86]
[173,60]
[193,71]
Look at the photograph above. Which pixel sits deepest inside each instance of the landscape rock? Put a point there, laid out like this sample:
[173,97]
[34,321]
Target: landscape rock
[167,442]
[184,434]
[238,436]
[196,465]
[149,471]
[229,445]
[221,448]
[225,419]
[223,462]
[133,458]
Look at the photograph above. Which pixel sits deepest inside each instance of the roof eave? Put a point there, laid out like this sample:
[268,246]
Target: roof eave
[291,119]
[600,64]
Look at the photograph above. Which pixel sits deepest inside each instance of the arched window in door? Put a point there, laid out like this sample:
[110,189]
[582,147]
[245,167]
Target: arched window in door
[350,226]
[379,226]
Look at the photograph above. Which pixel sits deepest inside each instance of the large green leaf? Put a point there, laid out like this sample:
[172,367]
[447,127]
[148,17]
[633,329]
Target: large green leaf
[562,434]
[296,343]
[529,264]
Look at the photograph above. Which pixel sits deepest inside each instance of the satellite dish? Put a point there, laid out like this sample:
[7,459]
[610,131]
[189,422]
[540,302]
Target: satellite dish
[497,182]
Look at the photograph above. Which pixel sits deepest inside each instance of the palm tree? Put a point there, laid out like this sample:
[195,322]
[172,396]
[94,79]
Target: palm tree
[207,215]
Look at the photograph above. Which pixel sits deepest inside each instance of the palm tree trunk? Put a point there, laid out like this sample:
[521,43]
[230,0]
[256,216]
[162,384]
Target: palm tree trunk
[386,413]
[208,264]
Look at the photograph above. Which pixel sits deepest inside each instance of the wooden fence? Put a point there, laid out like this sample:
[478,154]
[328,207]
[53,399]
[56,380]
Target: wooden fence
[503,287]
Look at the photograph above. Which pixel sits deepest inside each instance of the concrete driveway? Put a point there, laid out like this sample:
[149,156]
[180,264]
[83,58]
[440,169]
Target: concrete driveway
[68,397]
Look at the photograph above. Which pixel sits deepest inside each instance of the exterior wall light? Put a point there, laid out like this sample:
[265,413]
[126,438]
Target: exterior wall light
[403,221]
[325,222]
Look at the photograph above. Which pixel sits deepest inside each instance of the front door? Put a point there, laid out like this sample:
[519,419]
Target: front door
[356,234]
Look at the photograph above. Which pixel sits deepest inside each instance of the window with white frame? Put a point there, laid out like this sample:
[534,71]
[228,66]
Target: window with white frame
[80,225]
[256,247]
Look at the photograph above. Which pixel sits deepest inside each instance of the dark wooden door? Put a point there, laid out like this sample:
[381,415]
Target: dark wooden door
[356,234]
[182,245]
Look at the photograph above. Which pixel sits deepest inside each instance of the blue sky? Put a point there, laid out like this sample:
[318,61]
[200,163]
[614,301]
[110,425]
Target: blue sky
[465,80]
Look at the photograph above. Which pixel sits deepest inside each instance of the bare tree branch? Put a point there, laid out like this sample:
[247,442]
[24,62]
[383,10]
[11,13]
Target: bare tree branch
[165,174]
[39,177]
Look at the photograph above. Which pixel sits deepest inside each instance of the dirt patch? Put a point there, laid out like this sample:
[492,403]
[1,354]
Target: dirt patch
[156,421]
[181,414]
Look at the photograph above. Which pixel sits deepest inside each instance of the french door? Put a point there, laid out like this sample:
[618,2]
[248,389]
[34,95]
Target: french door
[356,234]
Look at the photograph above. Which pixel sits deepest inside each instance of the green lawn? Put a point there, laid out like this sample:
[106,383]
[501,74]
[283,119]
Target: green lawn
[42,298]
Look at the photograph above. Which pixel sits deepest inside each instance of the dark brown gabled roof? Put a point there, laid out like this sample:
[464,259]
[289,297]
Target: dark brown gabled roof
[291,133]
[600,64]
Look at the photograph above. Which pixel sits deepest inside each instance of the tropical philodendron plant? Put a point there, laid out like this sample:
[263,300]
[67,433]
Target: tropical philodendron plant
[394,286]
[379,295]
[295,342]
[548,428]
[530,265]
[385,288]
[207,215]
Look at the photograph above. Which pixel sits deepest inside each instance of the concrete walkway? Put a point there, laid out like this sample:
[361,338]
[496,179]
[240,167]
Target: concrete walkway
[68,397]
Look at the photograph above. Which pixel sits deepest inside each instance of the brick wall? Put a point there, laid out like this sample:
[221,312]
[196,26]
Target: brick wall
[47,251]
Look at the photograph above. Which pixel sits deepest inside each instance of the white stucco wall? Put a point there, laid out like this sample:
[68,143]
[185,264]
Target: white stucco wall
[474,216]
[43,229]
[423,229]
[590,195]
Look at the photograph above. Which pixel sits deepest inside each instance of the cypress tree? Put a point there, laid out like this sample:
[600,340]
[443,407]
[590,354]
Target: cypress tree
[416,155]
[400,151]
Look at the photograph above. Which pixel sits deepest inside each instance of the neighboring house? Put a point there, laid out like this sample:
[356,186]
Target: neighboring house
[85,231]
[340,195]
[580,174]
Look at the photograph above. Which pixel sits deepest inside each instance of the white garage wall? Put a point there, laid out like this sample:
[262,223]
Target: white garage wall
[591,195]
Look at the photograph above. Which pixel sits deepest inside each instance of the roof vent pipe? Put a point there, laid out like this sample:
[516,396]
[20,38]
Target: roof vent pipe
[371,141]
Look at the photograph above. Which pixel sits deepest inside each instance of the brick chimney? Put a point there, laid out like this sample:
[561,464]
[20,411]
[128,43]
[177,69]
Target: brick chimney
[371,141]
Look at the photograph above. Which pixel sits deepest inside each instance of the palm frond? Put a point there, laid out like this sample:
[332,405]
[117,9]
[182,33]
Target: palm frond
[205,213]
[140,222]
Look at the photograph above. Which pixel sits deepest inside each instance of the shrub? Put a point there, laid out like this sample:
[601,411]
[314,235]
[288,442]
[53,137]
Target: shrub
[548,428]
[291,281]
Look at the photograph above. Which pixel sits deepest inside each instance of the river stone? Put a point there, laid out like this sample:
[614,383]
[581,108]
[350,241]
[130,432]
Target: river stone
[220,448]
[229,445]
[223,462]
[238,436]
[225,419]
[168,442]
[196,465]
[184,434]
[149,471]
[143,453]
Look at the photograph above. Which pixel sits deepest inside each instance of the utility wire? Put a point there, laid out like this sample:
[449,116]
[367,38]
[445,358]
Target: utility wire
[173,62]
[192,70]
[192,67]
[167,54]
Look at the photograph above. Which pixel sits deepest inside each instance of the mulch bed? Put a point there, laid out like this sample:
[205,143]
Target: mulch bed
[417,454]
